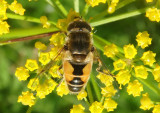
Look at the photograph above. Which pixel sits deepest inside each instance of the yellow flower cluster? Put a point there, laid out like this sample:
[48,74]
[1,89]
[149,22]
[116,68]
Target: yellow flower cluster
[125,67]
[15,7]
[153,14]
[77,109]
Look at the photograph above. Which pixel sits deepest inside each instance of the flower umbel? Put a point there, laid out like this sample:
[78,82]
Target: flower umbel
[110,50]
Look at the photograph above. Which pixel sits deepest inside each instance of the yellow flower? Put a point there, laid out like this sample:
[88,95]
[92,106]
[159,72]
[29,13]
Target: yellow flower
[146,102]
[62,89]
[17,8]
[148,58]
[123,77]
[110,104]
[135,88]
[45,88]
[153,14]
[156,73]
[149,1]
[45,22]
[31,64]
[115,1]
[96,107]
[77,109]
[156,109]
[33,84]
[3,8]
[81,95]
[4,27]
[129,51]
[143,39]
[27,98]
[108,91]
[44,58]
[119,64]
[94,3]
[105,79]
[54,71]
[22,73]
[39,45]
[57,39]
[141,71]
[111,8]
[110,50]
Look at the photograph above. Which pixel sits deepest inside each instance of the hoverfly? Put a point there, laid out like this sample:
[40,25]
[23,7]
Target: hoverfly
[78,54]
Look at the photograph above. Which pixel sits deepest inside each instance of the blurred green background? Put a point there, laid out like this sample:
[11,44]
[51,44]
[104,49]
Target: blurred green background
[120,32]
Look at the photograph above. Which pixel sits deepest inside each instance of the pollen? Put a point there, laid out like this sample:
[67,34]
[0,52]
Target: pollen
[129,51]
[110,104]
[54,71]
[119,64]
[123,77]
[45,22]
[31,64]
[33,84]
[82,95]
[148,58]
[22,73]
[146,102]
[77,109]
[105,79]
[94,3]
[156,73]
[141,71]
[156,109]
[44,58]
[96,107]
[17,8]
[4,27]
[143,39]
[135,88]
[57,39]
[27,98]
[153,14]
[62,89]
[108,91]
[39,45]
[110,50]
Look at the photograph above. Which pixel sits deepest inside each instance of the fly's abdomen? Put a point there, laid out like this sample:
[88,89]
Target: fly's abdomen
[76,75]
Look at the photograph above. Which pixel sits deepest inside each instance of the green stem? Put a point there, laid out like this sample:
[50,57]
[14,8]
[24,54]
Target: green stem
[120,5]
[76,5]
[95,86]
[86,100]
[58,7]
[27,18]
[118,17]
[85,10]
[29,110]
[90,96]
